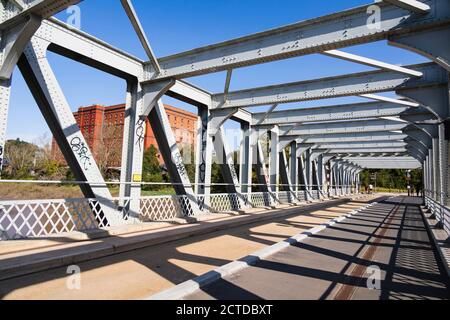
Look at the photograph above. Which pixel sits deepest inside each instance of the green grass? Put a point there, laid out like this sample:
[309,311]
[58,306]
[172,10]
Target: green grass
[145,193]
[163,192]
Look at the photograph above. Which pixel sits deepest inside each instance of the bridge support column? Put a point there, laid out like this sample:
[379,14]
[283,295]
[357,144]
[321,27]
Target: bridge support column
[285,177]
[321,175]
[228,169]
[309,172]
[425,180]
[132,150]
[263,175]
[139,102]
[246,159]
[274,164]
[436,100]
[334,179]
[293,168]
[430,174]
[436,174]
[203,161]
[345,179]
[5,93]
[330,178]
[304,174]
[338,170]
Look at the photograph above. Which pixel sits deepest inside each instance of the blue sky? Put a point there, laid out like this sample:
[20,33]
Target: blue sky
[177,25]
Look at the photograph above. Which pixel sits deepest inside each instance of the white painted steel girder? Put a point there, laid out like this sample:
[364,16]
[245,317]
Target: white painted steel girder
[331,87]
[344,127]
[312,36]
[339,112]
[356,137]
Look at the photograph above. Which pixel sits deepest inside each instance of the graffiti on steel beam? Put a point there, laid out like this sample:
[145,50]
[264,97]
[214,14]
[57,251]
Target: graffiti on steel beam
[140,133]
[202,167]
[80,148]
[234,175]
[178,161]
[1,157]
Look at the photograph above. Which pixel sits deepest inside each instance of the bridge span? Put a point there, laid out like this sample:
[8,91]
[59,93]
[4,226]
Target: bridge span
[295,167]
[339,248]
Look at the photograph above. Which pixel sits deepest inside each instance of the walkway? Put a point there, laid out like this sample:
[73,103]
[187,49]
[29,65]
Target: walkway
[143,272]
[334,263]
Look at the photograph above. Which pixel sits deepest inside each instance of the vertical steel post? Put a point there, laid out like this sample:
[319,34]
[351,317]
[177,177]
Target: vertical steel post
[132,149]
[226,161]
[293,167]
[5,94]
[436,174]
[246,161]
[203,158]
[274,163]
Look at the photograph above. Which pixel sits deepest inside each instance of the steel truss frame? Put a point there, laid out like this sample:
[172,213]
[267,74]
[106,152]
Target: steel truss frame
[321,147]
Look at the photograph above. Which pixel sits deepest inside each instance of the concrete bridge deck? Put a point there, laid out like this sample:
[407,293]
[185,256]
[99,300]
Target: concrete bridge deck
[334,263]
[135,266]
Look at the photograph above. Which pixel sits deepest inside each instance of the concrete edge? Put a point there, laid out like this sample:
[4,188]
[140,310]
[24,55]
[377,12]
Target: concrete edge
[436,242]
[189,287]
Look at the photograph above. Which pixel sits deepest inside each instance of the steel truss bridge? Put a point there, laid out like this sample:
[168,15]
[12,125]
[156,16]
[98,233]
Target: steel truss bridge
[314,153]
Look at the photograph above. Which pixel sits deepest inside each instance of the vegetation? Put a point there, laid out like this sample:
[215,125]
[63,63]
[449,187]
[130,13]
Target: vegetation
[152,171]
[392,179]
[25,161]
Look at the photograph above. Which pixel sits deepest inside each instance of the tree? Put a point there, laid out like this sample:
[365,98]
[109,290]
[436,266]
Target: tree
[151,169]
[21,158]
[392,178]
[110,149]
[46,164]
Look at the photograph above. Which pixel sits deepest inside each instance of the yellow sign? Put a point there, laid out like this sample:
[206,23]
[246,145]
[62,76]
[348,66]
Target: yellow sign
[137,178]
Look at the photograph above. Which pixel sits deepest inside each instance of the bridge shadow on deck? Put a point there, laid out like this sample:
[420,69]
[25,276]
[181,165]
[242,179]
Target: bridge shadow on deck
[334,264]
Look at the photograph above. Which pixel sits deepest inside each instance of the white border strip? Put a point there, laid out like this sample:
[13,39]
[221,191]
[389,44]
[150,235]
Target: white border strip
[189,287]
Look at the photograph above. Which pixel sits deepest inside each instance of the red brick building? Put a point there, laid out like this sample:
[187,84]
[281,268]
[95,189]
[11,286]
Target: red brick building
[102,127]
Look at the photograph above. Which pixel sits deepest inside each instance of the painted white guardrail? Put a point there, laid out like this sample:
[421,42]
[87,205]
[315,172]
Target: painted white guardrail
[38,218]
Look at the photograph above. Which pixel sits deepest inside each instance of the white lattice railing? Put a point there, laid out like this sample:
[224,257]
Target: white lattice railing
[221,202]
[22,219]
[39,218]
[441,212]
[259,200]
[162,208]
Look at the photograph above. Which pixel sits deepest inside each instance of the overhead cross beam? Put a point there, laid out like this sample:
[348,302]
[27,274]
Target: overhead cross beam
[343,127]
[353,137]
[371,62]
[360,145]
[329,113]
[391,100]
[358,151]
[411,5]
[385,162]
[331,87]
[317,35]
